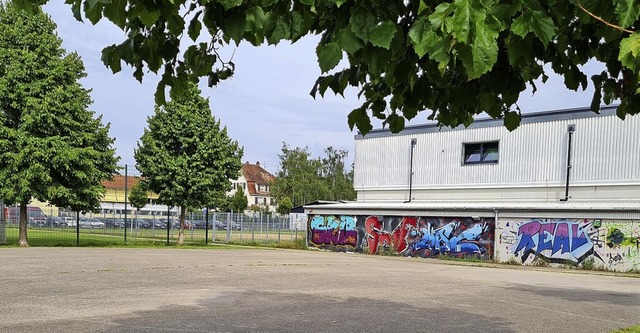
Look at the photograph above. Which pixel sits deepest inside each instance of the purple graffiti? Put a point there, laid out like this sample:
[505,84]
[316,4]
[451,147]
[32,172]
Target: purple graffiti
[333,231]
[557,240]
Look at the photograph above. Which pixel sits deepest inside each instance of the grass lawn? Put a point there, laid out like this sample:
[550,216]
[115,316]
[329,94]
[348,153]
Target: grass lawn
[631,329]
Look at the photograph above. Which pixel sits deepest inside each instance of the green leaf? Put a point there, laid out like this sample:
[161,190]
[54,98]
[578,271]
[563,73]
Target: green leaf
[359,118]
[194,29]
[538,23]
[629,54]
[235,26]
[628,12]
[175,24]
[329,56]
[255,19]
[348,41]
[149,18]
[282,30]
[111,59]
[228,4]
[396,123]
[461,21]
[422,6]
[484,49]
[116,12]
[308,2]
[94,14]
[382,34]
[419,36]
[511,120]
[362,22]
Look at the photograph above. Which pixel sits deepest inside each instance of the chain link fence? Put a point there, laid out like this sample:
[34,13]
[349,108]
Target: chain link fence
[68,228]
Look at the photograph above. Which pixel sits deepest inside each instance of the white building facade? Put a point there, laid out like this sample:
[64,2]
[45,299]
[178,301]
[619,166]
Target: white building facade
[564,188]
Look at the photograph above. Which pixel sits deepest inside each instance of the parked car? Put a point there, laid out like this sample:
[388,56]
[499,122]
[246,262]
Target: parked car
[114,223]
[225,225]
[70,221]
[91,223]
[158,224]
[141,223]
[56,222]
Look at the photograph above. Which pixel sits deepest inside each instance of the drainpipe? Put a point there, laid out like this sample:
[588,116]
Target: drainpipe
[413,145]
[570,130]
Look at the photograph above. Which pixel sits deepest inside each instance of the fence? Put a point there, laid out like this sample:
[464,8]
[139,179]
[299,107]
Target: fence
[72,229]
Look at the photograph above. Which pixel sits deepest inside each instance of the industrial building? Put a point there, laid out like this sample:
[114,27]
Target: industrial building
[562,188]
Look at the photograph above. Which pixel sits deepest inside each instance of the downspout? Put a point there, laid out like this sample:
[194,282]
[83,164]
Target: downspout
[413,145]
[570,130]
[495,231]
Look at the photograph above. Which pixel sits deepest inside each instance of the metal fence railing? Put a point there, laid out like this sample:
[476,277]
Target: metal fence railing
[71,229]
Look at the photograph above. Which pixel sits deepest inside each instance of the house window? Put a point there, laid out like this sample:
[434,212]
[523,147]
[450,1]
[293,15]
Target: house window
[256,200]
[481,152]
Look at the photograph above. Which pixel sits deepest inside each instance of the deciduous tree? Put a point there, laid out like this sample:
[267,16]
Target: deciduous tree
[456,58]
[284,206]
[185,156]
[238,201]
[138,196]
[52,148]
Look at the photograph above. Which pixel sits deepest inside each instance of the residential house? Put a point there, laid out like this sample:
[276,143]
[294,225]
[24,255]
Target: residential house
[255,182]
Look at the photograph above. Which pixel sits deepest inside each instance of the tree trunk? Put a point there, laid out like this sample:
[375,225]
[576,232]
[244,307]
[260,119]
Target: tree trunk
[24,219]
[183,210]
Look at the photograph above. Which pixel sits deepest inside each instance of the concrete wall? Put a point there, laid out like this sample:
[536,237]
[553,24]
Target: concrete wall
[405,235]
[614,245]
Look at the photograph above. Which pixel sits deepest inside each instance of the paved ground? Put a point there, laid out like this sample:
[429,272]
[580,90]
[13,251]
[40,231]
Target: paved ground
[174,290]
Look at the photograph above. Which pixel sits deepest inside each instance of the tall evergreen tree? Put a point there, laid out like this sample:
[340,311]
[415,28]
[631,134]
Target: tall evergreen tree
[52,148]
[185,156]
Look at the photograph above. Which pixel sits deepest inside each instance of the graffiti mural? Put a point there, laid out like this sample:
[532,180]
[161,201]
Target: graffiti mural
[407,235]
[452,236]
[332,230]
[556,240]
[606,244]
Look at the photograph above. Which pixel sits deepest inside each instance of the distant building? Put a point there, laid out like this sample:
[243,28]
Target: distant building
[255,181]
[112,204]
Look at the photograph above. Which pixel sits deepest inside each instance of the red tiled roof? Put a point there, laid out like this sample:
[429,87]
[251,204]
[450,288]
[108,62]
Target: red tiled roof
[255,173]
[118,182]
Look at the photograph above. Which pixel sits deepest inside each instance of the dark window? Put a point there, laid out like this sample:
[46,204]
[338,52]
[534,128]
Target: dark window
[483,152]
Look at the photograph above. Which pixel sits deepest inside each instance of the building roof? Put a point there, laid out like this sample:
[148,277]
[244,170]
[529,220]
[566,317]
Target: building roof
[533,117]
[118,182]
[256,174]
[595,209]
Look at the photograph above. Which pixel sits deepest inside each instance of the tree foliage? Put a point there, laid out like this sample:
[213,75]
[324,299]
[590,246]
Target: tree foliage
[52,148]
[138,195]
[284,206]
[457,58]
[303,178]
[185,156]
[238,201]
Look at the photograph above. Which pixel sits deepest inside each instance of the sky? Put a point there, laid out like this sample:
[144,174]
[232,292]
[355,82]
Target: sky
[264,104]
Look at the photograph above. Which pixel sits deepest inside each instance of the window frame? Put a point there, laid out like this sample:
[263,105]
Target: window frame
[484,147]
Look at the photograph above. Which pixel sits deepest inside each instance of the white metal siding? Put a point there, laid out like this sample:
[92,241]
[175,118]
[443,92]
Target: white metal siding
[604,148]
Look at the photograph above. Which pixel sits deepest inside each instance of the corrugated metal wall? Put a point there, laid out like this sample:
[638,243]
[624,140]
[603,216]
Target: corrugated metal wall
[604,149]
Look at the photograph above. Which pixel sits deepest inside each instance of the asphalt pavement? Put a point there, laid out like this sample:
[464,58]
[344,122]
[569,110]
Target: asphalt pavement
[201,290]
